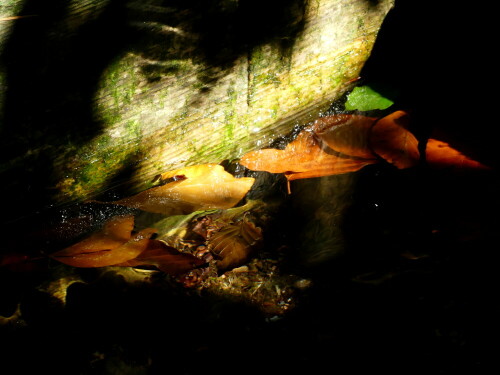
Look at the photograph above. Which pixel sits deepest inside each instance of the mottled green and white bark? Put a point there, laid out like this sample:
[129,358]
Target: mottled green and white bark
[183,117]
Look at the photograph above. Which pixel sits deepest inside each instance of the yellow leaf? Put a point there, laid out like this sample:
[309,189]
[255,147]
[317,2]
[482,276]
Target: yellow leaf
[199,187]
[113,244]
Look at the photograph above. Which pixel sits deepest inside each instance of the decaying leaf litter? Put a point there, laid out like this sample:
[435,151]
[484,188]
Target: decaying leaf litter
[206,229]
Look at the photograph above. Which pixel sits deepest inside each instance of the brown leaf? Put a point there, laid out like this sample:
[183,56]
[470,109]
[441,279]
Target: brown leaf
[165,258]
[305,157]
[201,187]
[390,139]
[347,134]
[114,243]
[439,154]
[233,244]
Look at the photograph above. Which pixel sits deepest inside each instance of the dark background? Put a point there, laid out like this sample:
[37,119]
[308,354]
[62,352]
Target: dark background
[371,310]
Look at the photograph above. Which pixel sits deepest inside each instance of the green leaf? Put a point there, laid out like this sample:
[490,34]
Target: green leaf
[364,98]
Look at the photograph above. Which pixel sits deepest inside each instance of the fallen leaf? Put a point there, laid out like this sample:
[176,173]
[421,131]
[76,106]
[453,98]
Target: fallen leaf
[165,258]
[338,166]
[114,233]
[114,243]
[392,141]
[201,187]
[305,157]
[233,244]
[439,154]
[347,134]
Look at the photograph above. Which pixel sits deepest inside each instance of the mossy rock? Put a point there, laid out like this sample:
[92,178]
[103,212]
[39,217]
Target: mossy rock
[101,96]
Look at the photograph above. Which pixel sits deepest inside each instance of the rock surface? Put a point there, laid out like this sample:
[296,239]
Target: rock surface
[104,95]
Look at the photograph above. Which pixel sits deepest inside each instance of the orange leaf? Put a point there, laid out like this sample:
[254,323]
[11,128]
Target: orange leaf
[305,157]
[202,187]
[114,243]
[114,233]
[108,257]
[440,154]
[390,139]
[165,258]
[339,166]
[347,134]
[297,156]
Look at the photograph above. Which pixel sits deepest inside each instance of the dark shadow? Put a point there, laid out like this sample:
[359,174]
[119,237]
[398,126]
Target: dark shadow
[438,64]
[52,72]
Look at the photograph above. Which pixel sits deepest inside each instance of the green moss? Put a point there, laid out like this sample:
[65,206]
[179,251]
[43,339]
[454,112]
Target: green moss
[361,24]
[11,7]
[275,111]
[180,116]
[119,84]
[93,175]
[229,116]
[100,160]
[264,68]
[208,154]
[104,141]
[133,130]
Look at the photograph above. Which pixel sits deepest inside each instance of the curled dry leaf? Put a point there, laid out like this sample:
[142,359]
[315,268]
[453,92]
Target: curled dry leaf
[390,139]
[305,157]
[347,134]
[165,258]
[233,244]
[201,187]
[113,244]
[439,154]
